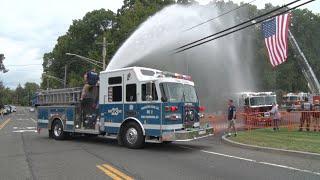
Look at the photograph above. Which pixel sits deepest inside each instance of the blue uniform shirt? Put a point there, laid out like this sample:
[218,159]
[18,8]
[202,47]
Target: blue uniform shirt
[231,112]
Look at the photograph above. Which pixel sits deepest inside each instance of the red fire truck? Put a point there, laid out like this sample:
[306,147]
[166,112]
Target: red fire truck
[293,101]
[255,107]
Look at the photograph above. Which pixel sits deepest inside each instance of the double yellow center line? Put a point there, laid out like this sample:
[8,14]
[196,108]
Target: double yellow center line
[4,123]
[113,172]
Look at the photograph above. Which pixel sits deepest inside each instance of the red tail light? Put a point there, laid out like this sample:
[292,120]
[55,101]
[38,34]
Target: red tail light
[202,108]
[174,108]
[171,108]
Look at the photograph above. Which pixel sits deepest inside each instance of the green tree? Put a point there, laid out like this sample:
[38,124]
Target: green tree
[29,89]
[19,95]
[84,35]
[82,38]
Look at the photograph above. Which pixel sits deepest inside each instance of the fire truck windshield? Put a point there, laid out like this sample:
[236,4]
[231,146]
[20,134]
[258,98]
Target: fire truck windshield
[175,92]
[262,100]
[290,98]
[293,98]
[270,100]
[257,101]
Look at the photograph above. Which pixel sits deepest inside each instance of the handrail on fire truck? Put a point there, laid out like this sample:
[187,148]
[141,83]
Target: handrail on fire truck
[58,96]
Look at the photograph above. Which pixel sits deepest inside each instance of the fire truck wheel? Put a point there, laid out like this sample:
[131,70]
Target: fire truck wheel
[132,136]
[57,130]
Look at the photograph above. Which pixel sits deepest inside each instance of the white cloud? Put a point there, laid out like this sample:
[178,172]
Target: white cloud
[18,53]
[31,28]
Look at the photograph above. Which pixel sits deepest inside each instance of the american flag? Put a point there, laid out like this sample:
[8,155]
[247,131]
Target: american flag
[275,33]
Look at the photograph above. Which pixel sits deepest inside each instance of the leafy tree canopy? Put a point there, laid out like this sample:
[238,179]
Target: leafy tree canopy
[85,35]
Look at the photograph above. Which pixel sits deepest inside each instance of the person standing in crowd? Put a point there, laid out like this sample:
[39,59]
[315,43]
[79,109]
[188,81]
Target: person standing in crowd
[316,115]
[231,117]
[305,115]
[276,116]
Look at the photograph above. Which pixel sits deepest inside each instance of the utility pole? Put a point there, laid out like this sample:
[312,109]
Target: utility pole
[65,76]
[104,52]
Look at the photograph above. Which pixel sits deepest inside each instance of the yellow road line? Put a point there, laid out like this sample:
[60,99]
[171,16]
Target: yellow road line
[110,174]
[117,172]
[4,123]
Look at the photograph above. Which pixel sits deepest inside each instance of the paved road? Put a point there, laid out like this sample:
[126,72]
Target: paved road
[25,154]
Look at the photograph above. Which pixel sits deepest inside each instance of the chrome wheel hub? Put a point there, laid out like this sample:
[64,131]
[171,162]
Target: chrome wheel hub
[132,135]
[57,130]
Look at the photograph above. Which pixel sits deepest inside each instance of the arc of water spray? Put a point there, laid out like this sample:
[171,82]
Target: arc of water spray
[216,17]
[243,27]
[184,47]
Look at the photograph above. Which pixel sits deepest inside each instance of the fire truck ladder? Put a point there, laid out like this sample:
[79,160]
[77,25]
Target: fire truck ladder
[58,96]
[307,71]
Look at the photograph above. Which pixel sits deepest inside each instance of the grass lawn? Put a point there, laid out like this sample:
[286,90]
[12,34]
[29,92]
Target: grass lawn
[283,139]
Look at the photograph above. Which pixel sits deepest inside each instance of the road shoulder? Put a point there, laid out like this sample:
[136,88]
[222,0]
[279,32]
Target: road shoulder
[272,150]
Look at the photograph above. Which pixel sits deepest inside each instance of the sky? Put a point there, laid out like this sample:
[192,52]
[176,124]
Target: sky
[30,28]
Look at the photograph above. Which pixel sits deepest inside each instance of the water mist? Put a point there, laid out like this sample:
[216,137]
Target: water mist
[219,68]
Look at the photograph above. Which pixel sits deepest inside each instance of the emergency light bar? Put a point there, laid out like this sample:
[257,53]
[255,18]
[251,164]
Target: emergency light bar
[176,75]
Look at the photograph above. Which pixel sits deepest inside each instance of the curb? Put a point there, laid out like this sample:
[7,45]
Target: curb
[272,150]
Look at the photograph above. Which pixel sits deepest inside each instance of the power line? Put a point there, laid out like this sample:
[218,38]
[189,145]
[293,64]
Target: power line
[24,70]
[225,13]
[13,82]
[245,22]
[240,24]
[287,10]
[12,65]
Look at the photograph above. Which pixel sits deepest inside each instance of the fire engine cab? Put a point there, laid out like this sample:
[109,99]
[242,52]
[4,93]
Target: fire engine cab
[256,106]
[257,101]
[133,105]
[293,101]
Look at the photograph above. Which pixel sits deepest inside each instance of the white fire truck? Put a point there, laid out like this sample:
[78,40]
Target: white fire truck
[257,101]
[132,105]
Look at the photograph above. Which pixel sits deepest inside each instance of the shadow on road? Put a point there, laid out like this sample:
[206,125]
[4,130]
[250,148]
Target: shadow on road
[157,147]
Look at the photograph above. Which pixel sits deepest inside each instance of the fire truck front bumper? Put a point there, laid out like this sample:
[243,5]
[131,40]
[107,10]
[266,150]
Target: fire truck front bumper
[187,135]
